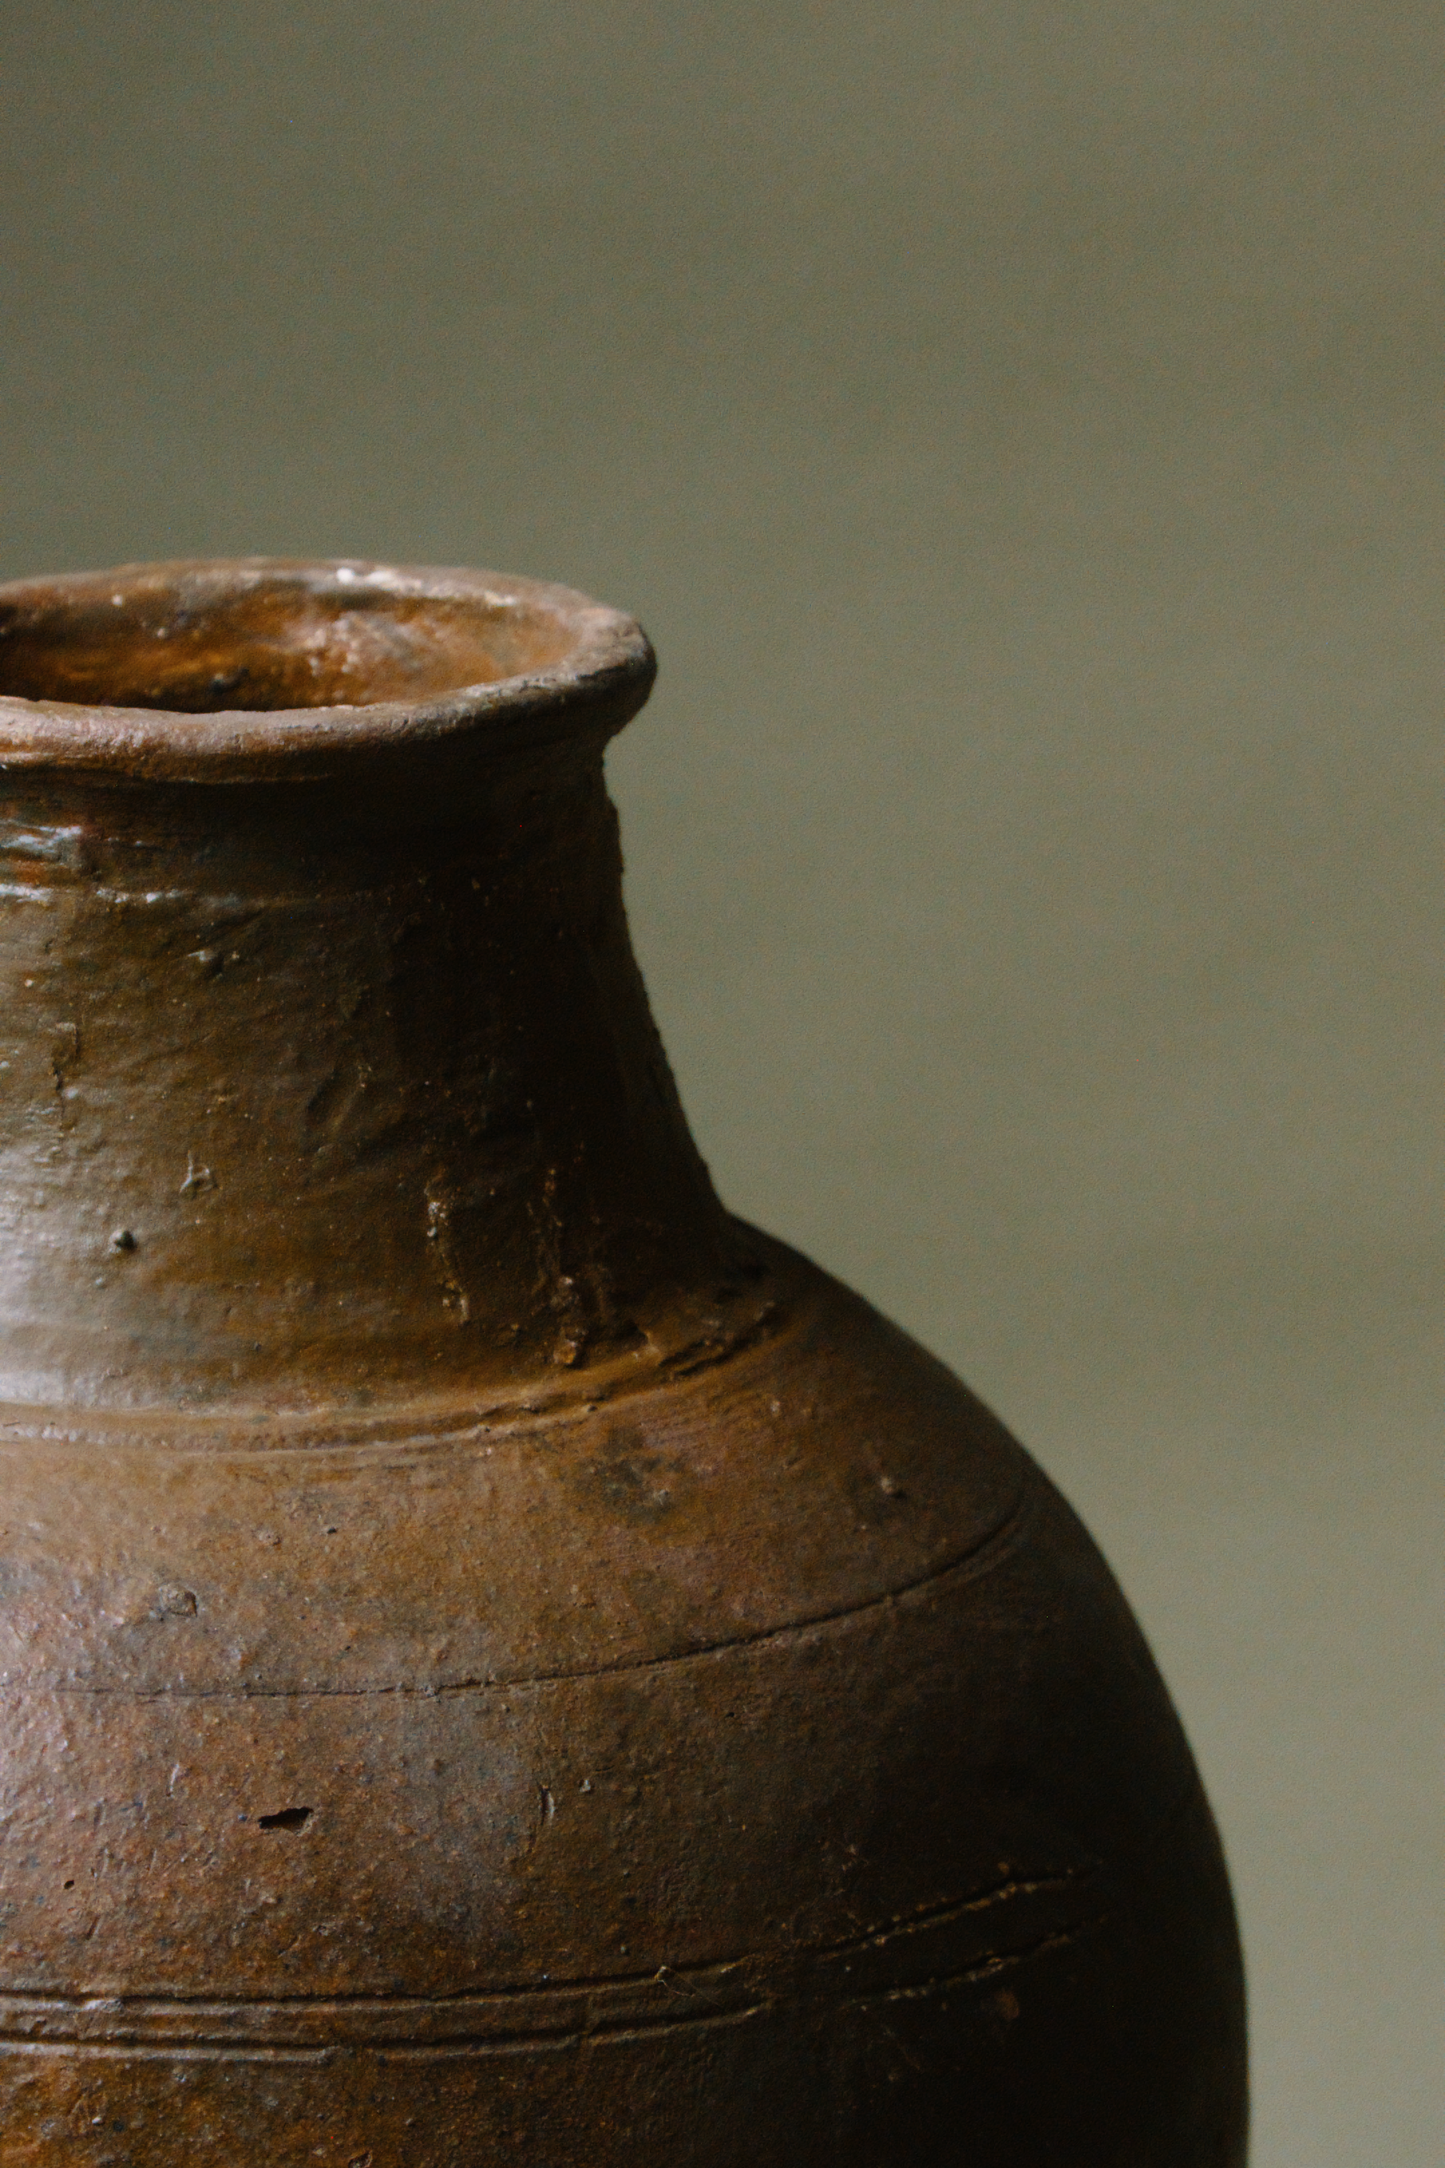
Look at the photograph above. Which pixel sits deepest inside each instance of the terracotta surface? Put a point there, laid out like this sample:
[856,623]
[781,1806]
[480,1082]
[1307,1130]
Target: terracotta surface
[499,1660]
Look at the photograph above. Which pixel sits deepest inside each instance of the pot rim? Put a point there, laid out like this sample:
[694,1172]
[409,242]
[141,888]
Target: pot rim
[600,676]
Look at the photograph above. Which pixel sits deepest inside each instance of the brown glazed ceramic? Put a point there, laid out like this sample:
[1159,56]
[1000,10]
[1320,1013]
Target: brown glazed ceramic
[500,1661]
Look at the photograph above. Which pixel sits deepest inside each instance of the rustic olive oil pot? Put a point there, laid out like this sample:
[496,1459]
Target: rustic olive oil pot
[500,1661]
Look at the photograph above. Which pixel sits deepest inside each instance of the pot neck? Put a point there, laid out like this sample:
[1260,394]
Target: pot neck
[302,1106]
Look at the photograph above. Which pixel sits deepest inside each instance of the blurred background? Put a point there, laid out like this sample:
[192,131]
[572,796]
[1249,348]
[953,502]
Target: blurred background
[1019,427]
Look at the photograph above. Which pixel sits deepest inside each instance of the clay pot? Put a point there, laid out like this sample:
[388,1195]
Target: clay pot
[500,1660]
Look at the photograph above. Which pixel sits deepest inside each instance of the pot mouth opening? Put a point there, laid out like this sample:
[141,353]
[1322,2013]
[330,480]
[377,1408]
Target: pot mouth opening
[215,669]
[272,635]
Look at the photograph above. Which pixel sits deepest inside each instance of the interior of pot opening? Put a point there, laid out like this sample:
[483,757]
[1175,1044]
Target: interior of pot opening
[197,639]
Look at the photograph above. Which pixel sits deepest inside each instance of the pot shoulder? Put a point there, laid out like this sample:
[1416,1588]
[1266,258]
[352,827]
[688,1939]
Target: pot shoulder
[786,1655]
[828,1465]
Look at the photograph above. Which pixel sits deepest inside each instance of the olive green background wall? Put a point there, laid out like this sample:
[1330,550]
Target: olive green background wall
[1018,424]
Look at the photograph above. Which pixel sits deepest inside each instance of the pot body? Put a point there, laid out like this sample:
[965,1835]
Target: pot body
[499,1659]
